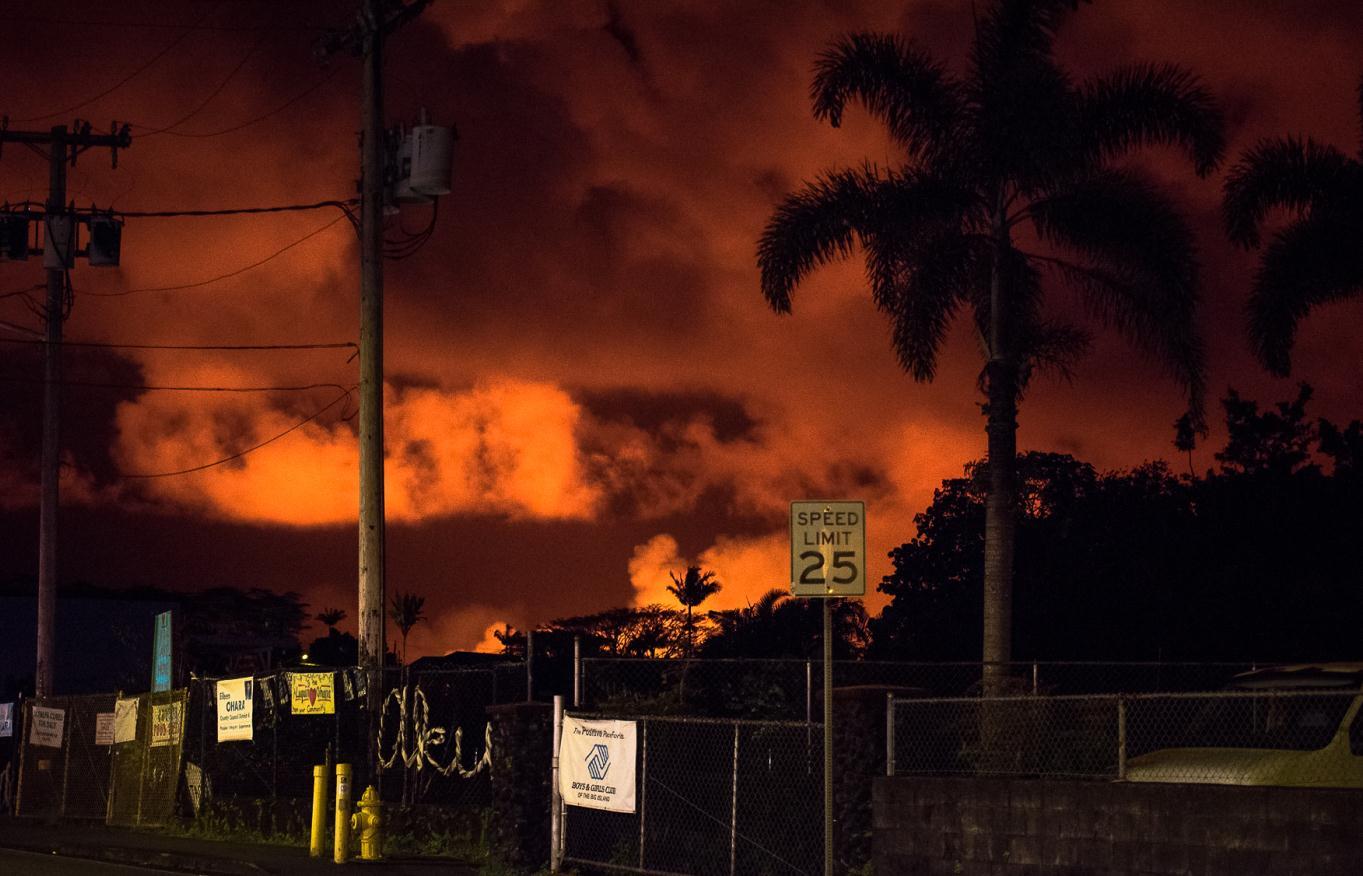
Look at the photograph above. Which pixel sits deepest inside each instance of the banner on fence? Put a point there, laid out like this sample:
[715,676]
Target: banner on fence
[125,720]
[47,726]
[6,719]
[596,763]
[313,693]
[235,709]
[166,724]
[104,728]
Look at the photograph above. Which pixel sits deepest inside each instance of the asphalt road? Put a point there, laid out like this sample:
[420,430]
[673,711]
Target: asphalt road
[16,863]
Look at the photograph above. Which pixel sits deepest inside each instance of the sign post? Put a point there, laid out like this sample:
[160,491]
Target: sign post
[160,661]
[827,560]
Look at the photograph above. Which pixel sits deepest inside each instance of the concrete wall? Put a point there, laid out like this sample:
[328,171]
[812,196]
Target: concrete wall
[974,827]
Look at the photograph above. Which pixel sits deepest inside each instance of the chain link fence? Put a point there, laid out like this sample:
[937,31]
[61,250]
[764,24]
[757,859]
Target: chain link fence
[63,768]
[1307,738]
[791,689]
[714,797]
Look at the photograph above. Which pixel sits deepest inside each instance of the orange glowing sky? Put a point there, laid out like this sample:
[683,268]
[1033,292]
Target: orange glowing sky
[586,389]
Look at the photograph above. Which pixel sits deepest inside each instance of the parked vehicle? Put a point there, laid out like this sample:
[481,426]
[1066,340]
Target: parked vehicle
[1292,726]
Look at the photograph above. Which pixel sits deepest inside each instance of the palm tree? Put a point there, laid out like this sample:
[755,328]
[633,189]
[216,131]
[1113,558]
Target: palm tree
[331,617]
[693,588]
[405,610]
[1012,153]
[1318,257]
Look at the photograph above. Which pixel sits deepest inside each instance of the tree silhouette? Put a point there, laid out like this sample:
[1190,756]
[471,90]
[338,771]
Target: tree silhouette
[405,611]
[1013,151]
[693,588]
[331,617]
[1318,257]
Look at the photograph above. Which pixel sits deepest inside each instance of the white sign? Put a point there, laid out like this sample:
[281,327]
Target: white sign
[828,548]
[125,720]
[236,697]
[104,728]
[47,726]
[596,764]
[6,719]
[167,724]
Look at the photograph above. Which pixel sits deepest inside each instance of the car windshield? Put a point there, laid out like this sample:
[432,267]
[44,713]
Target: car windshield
[1264,720]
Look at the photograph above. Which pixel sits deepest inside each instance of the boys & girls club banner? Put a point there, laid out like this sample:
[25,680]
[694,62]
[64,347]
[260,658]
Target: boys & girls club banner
[236,698]
[596,763]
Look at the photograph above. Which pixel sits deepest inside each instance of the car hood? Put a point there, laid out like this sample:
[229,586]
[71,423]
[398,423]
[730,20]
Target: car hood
[1241,766]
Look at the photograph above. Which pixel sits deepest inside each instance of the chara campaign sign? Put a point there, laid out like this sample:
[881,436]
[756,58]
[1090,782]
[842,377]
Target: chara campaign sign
[596,764]
[828,548]
[235,709]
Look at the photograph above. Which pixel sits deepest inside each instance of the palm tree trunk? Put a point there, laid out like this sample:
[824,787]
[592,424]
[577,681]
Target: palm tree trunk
[1000,515]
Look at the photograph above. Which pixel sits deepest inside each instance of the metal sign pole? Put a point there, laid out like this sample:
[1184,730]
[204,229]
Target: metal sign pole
[827,738]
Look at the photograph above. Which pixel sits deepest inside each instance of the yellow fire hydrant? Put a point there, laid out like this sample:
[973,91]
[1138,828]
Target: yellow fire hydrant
[369,822]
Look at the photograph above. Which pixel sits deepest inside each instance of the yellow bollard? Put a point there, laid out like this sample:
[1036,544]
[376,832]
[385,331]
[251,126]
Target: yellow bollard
[319,811]
[369,822]
[342,813]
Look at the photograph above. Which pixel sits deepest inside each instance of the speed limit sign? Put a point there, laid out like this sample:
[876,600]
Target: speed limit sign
[827,548]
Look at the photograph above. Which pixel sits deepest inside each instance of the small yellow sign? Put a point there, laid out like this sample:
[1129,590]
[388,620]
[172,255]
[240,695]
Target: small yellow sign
[313,693]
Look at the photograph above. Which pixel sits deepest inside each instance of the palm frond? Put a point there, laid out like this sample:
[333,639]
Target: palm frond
[932,277]
[1119,300]
[1053,348]
[1316,260]
[812,227]
[1284,172]
[901,85]
[1152,104]
[1119,218]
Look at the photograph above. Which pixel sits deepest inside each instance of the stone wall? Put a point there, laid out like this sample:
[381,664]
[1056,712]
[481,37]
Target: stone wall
[974,827]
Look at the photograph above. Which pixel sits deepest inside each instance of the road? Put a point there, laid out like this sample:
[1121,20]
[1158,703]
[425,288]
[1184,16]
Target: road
[35,864]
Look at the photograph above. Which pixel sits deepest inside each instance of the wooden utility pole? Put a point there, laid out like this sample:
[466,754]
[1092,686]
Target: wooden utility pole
[63,146]
[377,19]
[371,348]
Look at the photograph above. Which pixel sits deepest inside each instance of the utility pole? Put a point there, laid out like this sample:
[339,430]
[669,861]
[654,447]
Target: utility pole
[59,236]
[377,19]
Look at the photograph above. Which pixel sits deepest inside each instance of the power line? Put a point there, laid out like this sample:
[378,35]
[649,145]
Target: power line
[162,25]
[213,94]
[263,116]
[229,275]
[120,83]
[238,455]
[157,387]
[342,205]
[341,345]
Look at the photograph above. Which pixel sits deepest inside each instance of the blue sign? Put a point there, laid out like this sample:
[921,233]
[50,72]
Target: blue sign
[160,661]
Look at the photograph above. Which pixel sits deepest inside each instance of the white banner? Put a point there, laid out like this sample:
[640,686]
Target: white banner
[125,720]
[167,724]
[235,700]
[104,728]
[6,719]
[596,764]
[47,726]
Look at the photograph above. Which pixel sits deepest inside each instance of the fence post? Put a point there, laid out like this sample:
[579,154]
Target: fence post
[577,672]
[733,811]
[555,799]
[21,732]
[889,733]
[67,728]
[1121,737]
[643,787]
[530,667]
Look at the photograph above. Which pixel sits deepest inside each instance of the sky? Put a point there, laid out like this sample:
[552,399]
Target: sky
[585,389]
